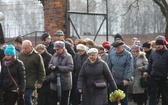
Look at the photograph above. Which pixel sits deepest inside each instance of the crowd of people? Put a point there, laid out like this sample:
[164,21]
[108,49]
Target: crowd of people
[81,72]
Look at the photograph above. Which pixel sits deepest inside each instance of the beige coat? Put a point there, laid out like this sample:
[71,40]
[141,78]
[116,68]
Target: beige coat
[141,61]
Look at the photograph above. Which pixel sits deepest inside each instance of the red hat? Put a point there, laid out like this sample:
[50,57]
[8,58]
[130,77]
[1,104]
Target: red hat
[164,41]
[105,42]
[107,46]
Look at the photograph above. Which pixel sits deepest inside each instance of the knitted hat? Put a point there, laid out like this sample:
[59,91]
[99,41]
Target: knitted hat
[146,44]
[159,42]
[92,50]
[10,50]
[135,48]
[81,47]
[18,39]
[119,36]
[105,42]
[107,46]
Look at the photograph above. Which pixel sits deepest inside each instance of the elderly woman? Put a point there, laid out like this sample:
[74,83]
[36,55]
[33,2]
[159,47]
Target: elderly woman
[61,63]
[79,59]
[93,78]
[140,64]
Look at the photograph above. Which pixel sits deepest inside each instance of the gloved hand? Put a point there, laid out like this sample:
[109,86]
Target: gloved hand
[56,68]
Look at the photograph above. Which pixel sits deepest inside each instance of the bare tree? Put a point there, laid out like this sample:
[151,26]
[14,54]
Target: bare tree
[164,9]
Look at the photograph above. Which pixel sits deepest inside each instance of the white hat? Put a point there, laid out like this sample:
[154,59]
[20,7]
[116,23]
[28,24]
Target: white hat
[81,47]
[92,50]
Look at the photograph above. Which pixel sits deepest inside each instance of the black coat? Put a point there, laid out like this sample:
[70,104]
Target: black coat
[46,85]
[89,73]
[50,47]
[78,62]
[17,70]
[158,64]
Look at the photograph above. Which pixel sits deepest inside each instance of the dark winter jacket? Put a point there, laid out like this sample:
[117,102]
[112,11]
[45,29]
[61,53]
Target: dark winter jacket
[158,64]
[50,47]
[148,54]
[78,62]
[69,48]
[89,73]
[46,85]
[17,71]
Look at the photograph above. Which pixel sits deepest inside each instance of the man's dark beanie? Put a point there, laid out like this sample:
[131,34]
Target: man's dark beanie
[18,39]
[119,36]
[159,42]
[146,44]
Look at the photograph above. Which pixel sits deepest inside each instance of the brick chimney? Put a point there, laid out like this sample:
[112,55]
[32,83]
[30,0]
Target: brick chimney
[55,15]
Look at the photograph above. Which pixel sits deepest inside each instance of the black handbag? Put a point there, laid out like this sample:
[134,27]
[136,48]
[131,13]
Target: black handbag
[100,84]
[52,77]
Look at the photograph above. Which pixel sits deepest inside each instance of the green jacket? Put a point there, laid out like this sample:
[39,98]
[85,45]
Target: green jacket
[34,67]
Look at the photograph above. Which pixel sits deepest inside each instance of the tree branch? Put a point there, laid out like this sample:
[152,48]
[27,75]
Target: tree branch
[162,7]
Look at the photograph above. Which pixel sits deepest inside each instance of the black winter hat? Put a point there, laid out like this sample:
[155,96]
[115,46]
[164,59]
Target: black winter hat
[44,35]
[18,39]
[146,44]
[119,36]
[159,42]
[117,43]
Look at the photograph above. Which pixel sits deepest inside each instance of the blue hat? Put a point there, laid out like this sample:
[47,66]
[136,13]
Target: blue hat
[10,50]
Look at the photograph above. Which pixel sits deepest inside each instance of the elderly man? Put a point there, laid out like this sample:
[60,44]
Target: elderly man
[120,63]
[61,63]
[34,68]
[59,36]
[158,70]
[46,39]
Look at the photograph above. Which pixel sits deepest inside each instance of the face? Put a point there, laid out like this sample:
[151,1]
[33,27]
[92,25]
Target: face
[46,41]
[17,45]
[119,49]
[81,52]
[26,48]
[118,39]
[159,47]
[135,53]
[93,56]
[58,38]
[145,49]
[59,51]
[8,57]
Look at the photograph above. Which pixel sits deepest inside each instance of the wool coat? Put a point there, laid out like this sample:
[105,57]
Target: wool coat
[140,61]
[89,73]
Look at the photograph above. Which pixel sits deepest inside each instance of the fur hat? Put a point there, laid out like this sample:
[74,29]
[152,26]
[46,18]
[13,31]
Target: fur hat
[92,50]
[81,47]
[10,50]
[119,36]
[59,44]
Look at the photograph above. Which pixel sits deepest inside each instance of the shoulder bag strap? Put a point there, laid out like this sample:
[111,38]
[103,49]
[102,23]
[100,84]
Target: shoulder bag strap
[17,87]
